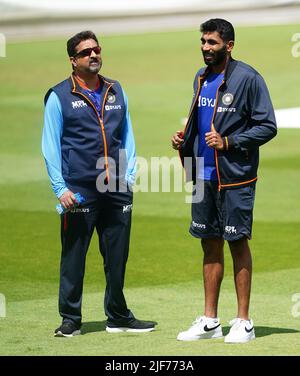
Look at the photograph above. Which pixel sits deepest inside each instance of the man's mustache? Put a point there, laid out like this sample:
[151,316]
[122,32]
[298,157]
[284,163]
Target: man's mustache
[93,60]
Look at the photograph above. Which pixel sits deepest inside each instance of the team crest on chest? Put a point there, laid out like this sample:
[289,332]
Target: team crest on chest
[227,99]
[111,98]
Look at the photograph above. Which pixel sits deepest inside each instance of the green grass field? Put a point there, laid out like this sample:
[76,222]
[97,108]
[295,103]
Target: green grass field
[164,273]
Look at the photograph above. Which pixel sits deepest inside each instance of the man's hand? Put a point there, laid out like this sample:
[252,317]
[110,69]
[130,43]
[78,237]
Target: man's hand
[214,140]
[177,140]
[67,199]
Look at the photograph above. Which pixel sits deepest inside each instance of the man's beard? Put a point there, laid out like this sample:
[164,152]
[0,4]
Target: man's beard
[93,67]
[217,57]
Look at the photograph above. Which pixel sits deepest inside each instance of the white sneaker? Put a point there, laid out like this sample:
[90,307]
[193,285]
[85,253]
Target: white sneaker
[241,331]
[202,328]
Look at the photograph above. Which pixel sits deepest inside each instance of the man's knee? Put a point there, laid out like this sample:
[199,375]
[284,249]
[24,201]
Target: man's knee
[212,245]
[239,246]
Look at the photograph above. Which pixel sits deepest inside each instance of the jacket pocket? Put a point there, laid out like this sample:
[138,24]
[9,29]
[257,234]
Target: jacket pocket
[81,165]
[237,165]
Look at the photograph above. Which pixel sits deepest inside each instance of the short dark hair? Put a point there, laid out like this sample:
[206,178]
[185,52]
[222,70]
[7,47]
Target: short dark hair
[223,27]
[73,42]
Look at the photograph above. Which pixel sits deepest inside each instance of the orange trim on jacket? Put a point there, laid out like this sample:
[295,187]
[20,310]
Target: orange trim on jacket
[237,184]
[101,121]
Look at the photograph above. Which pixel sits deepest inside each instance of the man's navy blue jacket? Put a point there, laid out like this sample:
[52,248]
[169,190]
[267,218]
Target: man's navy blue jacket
[89,134]
[243,116]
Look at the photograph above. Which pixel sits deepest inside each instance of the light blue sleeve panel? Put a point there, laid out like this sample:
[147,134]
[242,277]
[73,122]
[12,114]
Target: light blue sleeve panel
[51,147]
[129,145]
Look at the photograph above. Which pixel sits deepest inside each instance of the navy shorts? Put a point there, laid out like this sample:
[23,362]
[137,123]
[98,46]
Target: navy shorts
[227,214]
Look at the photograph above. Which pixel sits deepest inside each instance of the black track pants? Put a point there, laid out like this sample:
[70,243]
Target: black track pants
[110,214]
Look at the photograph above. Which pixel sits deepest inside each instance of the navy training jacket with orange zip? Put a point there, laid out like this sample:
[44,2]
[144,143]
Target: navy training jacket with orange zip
[243,116]
[88,135]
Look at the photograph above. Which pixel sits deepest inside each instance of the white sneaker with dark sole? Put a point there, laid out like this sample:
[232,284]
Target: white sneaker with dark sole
[202,328]
[241,331]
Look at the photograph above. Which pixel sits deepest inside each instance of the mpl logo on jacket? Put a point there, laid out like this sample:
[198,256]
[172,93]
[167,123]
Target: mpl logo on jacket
[227,99]
[78,104]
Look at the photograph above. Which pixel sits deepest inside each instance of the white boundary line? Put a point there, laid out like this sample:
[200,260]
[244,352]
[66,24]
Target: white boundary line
[132,7]
[288,117]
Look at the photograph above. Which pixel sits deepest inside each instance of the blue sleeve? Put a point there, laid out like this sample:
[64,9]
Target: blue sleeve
[51,147]
[129,145]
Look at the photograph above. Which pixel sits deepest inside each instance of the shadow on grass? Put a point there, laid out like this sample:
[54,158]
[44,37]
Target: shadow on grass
[93,326]
[262,331]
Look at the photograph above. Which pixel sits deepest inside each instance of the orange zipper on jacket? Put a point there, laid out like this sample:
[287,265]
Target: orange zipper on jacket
[195,101]
[101,121]
[212,128]
[191,111]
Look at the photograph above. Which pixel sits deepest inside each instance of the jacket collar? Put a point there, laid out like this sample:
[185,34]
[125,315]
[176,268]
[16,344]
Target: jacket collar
[229,68]
[104,83]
